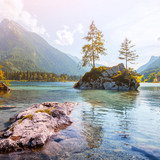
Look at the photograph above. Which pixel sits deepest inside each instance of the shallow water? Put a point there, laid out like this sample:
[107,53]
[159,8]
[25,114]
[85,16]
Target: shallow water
[106,124]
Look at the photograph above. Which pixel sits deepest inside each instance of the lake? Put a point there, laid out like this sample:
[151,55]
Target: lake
[106,124]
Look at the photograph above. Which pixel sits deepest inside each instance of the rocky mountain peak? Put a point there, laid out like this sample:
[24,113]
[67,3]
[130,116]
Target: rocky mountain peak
[7,24]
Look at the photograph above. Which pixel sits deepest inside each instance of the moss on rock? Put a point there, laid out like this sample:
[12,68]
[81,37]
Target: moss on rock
[48,111]
[29,116]
[94,74]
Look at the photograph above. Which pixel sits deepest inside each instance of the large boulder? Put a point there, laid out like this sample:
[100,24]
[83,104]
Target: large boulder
[34,126]
[108,78]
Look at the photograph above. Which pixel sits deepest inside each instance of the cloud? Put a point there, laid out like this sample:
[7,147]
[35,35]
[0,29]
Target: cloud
[79,28]
[14,9]
[65,37]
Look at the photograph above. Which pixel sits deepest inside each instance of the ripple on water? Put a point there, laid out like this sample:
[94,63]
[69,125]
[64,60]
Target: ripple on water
[106,124]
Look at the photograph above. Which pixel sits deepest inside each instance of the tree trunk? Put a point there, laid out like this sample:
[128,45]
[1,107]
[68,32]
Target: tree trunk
[93,56]
[126,63]
[126,60]
[93,62]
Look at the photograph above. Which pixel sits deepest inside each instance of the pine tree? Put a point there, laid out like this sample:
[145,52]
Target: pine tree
[126,53]
[92,50]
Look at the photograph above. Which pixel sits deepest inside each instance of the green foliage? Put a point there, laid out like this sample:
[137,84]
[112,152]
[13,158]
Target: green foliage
[3,78]
[23,50]
[93,74]
[126,53]
[122,77]
[148,72]
[126,76]
[95,46]
[134,74]
[152,66]
[150,78]
[39,76]
[152,75]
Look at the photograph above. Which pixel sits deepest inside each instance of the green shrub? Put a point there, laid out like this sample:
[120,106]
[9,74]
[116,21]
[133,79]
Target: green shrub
[122,77]
[94,74]
[125,76]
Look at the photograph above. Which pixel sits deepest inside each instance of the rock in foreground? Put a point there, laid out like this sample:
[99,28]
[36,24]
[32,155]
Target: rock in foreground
[34,126]
[108,78]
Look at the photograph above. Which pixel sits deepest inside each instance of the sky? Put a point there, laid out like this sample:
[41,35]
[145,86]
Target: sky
[64,23]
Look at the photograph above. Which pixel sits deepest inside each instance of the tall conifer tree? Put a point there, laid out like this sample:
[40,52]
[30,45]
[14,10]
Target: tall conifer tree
[126,53]
[95,46]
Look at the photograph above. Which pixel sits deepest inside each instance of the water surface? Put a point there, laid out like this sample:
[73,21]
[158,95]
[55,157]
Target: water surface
[106,124]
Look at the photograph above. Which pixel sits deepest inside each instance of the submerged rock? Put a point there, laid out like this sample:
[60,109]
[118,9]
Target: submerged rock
[108,78]
[34,126]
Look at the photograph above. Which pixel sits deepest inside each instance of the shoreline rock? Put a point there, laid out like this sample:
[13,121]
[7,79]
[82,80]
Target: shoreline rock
[106,78]
[4,87]
[7,107]
[34,126]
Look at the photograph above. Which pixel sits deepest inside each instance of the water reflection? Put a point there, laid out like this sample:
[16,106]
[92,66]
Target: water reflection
[110,99]
[94,135]
[96,117]
[92,131]
[106,124]
[3,96]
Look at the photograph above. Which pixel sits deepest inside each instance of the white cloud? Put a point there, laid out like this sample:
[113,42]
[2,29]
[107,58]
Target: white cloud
[14,9]
[65,37]
[79,28]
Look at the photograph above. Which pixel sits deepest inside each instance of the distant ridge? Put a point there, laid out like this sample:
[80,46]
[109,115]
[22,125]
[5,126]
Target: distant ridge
[21,50]
[154,63]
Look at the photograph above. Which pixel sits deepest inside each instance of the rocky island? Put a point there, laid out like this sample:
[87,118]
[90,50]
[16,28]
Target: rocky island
[108,78]
[34,126]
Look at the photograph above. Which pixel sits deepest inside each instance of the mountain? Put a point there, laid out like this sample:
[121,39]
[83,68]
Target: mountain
[21,50]
[79,62]
[153,64]
[74,58]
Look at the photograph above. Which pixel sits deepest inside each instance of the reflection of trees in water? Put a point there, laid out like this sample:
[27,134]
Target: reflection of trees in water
[129,100]
[93,134]
[92,130]
[92,124]
[119,102]
[3,95]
